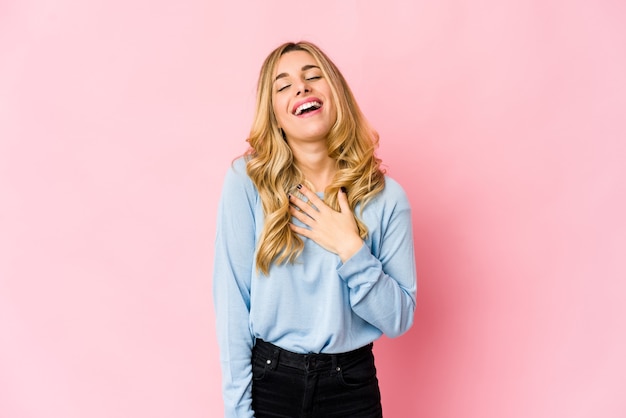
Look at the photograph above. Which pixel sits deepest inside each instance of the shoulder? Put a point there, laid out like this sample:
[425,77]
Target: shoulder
[238,167]
[393,195]
[237,171]
[237,178]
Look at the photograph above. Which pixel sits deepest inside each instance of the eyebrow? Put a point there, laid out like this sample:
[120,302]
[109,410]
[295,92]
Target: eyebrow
[303,69]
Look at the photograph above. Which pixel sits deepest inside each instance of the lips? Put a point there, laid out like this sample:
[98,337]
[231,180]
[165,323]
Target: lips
[304,105]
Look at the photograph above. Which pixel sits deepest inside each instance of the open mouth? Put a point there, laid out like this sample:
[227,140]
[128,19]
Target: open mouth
[307,107]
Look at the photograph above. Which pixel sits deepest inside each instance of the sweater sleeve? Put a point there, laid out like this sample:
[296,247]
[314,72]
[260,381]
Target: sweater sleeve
[233,264]
[382,279]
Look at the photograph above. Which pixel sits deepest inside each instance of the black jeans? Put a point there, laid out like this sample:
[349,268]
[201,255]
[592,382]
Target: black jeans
[290,385]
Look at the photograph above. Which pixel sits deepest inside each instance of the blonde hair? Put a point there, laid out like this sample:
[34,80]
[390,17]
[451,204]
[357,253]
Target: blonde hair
[270,162]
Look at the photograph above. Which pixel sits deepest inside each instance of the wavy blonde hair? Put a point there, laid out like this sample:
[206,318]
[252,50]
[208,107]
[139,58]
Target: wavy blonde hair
[270,162]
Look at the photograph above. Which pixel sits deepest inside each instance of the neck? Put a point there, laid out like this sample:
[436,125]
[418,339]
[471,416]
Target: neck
[318,168]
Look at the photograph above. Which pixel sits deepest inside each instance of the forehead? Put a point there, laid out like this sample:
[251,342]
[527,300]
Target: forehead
[292,62]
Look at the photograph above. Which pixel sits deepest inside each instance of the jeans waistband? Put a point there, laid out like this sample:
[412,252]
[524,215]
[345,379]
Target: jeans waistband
[275,355]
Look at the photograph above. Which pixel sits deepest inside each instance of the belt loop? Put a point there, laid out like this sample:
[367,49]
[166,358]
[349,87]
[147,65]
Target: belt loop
[335,367]
[274,359]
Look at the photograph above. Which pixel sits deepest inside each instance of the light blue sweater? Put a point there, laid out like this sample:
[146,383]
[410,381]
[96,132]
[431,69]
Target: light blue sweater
[316,305]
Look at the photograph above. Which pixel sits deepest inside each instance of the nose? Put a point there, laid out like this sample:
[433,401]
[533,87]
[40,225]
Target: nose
[303,87]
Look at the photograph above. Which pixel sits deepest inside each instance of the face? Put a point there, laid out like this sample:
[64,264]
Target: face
[302,98]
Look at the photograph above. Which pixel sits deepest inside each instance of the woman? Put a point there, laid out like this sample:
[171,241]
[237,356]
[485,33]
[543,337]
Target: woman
[314,253]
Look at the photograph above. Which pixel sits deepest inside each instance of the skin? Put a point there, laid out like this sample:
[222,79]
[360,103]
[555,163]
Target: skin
[298,78]
[335,231]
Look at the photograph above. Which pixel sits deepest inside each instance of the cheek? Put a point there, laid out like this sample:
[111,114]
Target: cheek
[277,116]
[332,108]
[278,109]
[333,113]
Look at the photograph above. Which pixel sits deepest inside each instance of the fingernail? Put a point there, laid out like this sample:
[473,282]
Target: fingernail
[299,186]
[343,189]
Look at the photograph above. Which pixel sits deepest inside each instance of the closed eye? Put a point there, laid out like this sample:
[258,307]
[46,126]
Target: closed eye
[314,77]
[283,87]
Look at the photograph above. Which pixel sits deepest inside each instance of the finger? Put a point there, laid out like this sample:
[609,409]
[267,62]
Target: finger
[342,199]
[301,216]
[313,198]
[301,205]
[300,231]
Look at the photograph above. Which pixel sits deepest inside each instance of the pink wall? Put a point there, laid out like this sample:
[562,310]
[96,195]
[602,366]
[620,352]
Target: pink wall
[503,120]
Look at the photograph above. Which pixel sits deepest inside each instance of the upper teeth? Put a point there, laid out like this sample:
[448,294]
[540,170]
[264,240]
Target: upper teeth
[305,106]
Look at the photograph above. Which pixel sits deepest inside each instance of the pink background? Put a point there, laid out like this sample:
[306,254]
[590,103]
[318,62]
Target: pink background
[504,121]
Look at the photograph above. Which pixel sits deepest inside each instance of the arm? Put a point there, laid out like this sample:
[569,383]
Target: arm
[233,263]
[383,286]
[381,279]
